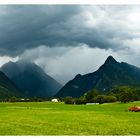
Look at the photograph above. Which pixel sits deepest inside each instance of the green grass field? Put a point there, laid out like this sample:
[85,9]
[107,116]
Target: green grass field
[44,118]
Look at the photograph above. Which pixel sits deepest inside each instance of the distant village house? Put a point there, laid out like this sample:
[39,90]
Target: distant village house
[54,100]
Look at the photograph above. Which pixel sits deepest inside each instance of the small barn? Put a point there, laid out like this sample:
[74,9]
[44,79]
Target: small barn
[54,100]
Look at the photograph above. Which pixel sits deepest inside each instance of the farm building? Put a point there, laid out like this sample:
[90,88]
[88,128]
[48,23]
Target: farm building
[54,100]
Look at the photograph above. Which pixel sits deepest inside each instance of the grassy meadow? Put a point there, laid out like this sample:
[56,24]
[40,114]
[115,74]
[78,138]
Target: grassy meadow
[46,118]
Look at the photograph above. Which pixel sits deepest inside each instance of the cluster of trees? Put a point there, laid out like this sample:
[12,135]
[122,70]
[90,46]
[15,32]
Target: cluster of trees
[123,94]
[32,99]
[92,96]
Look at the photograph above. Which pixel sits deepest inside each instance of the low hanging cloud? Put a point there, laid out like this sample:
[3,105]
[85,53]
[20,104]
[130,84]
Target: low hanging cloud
[63,63]
[6,59]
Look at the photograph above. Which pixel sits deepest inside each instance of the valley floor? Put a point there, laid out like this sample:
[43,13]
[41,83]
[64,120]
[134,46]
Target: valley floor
[46,118]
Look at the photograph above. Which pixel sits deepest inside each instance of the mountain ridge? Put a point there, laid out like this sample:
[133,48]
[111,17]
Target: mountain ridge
[31,79]
[108,75]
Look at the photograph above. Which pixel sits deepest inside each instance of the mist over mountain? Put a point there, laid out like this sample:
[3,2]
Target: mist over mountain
[110,74]
[31,79]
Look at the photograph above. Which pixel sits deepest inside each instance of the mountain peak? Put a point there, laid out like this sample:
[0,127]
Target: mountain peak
[110,75]
[31,79]
[110,59]
[78,76]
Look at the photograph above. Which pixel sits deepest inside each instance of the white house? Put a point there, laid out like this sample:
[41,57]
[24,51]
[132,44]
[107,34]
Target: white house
[54,100]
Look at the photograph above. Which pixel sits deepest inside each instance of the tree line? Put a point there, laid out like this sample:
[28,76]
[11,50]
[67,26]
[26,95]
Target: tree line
[122,94]
[31,99]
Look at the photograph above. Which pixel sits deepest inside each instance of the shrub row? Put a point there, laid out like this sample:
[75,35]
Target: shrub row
[98,99]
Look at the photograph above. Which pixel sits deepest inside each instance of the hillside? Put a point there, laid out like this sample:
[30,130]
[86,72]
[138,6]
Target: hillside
[31,79]
[110,74]
[7,87]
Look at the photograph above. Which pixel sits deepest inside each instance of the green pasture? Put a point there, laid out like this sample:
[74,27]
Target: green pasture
[46,118]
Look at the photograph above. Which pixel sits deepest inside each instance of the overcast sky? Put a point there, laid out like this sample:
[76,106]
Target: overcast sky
[69,39]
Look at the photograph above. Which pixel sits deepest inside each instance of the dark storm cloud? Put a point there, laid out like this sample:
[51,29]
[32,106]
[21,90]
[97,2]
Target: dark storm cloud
[63,39]
[23,27]
[26,27]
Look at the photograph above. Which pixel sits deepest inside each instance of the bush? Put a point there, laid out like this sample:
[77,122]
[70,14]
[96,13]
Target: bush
[126,93]
[110,93]
[80,101]
[109,99]
[104,99]
[69,100]
[134,108]
[61,99]
[90,95]
[13,99]
[99,99]
[36,99]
